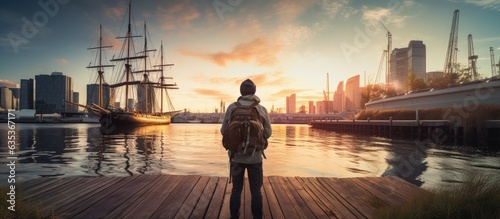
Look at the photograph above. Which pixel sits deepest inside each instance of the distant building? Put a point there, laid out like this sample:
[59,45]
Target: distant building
[352,94]
[76,99]
[312,108]
[26,97]
[433,74]
[93,94]
[52,91]
[417,58]
[291,104]
[6,98]
[405,61]
[338,98]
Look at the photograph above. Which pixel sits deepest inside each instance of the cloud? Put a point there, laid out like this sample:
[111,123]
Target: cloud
[61,61]
[260,51]
[9,84]
[334,7]
[286,92]
[179,15]
[212,93]
[387,15]
[116,11]
[486,4]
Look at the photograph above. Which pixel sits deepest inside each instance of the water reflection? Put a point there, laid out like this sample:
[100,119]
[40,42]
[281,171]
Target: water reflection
[184,149]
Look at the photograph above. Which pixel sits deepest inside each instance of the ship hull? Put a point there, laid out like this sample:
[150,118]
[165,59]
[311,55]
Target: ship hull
[120,120]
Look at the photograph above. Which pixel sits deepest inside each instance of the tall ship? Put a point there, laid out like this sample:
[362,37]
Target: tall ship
[138,83]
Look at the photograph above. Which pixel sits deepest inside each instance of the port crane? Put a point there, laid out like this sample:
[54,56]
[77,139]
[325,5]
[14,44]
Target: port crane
[472,58]
[451,54]
[388,54]
[493,64]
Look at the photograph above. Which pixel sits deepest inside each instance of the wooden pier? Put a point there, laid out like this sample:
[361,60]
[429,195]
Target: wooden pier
[438,131]
[175,196]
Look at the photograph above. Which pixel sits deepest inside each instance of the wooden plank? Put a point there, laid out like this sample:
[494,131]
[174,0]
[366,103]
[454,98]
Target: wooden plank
[300,206]
[151,203]
[109,202]
[334,201]
[80,192]
[192,199]
[47,188]
[320,199]
[406,186]
[377,190]
[215,205]
[266,211]
[358,198]
[134,199]
[89,199]
[174,201]
[225,211]
[274,207]
[201,207]
[53,199]
[344,196]
[390,187]
[29,186]
[307,198]
[283,200]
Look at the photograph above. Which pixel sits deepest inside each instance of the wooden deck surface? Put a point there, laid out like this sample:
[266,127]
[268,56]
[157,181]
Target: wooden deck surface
[175,196]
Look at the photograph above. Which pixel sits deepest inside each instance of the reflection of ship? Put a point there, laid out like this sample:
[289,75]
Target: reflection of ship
[148,109]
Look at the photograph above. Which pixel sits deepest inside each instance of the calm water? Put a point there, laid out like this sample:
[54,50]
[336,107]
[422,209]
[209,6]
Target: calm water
[68,150]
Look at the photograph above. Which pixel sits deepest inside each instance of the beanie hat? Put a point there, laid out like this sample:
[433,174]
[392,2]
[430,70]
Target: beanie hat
[247,87]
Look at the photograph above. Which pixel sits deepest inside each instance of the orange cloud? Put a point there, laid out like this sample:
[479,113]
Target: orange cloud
[261,51]
[212,93]
[9,84]
[286,92]
[179,15]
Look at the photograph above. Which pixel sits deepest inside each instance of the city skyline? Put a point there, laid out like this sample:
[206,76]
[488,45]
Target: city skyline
[285,47]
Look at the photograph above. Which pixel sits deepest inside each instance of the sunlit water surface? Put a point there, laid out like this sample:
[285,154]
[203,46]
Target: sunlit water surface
[69,150]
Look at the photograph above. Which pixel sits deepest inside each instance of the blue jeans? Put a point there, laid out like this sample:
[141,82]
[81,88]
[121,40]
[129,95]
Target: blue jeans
[255,178]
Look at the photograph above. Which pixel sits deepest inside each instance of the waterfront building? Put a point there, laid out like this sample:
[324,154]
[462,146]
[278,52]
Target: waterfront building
[6,98]
[352,94]
[338,98]
[312,108]
[26,95]
[411,59]
[433,74]
[417,58]
[93,94]
[51,92]
[76,99]
[291,104]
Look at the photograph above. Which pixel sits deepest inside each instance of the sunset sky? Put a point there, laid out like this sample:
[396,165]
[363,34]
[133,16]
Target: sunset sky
[285,47]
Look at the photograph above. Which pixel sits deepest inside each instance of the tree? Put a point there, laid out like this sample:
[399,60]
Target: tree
[371,92]
[414,83]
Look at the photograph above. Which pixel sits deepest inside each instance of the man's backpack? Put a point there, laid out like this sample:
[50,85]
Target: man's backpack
[244,133]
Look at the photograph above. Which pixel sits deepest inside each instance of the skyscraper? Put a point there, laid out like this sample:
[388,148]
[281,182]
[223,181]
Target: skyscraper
[52,91]
[352,93]
[5,98]
[291,104]
[27,92]
[93,94]
[411,59]
[338,98]
[417,58]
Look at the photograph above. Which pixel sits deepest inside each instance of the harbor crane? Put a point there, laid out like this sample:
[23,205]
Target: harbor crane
[451,55]
[472,58]
[493,64]
[388,54]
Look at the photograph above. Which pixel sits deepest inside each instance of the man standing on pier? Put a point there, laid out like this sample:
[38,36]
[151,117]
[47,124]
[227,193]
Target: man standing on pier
[247,159]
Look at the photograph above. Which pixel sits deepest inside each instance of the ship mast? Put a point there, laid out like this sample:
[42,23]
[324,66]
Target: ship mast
[162,85]
[128,39]
[100,67]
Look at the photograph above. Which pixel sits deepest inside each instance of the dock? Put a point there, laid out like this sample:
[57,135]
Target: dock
[178,196]
[438,131]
